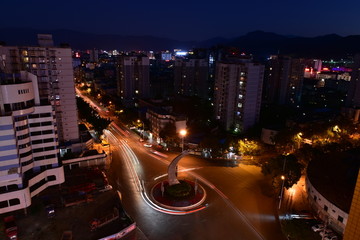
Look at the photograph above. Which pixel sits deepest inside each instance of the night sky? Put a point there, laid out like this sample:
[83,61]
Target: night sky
[186,20]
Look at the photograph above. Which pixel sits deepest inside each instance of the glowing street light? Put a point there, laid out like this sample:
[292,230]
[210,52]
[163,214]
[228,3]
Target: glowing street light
[142,124]
[282,189]
[183,133]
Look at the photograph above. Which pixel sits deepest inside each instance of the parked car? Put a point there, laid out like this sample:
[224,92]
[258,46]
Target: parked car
[10,227]
[147,145]
[331,237]
[318,227]
[50,210]
[106,188]
[67,235]
[326,232]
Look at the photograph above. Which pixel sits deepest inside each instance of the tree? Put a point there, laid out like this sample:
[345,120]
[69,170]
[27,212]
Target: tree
[249,147]
[91,116]
[168,133]
[283,165]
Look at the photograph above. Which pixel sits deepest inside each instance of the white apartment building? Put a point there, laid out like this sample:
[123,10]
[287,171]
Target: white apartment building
[53,68]
[28,142]
[237,94]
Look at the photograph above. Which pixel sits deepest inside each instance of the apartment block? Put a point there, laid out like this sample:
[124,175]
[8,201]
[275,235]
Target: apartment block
[133,78]
[28,142]
[53,68]
[191,77]
[237,93]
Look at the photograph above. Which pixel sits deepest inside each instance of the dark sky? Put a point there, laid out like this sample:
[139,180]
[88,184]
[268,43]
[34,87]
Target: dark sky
[186,19]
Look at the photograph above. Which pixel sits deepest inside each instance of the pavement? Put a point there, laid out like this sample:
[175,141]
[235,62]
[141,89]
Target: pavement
[295,214]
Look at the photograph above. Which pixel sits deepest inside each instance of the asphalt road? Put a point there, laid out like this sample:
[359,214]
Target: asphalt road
[240,205]
[240,202]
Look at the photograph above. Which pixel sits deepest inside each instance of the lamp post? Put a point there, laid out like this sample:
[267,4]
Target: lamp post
[183,133]
[283,181]
[282,190]
[142,124]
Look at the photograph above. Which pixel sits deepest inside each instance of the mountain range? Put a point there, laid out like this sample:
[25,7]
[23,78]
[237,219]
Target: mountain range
[258,43]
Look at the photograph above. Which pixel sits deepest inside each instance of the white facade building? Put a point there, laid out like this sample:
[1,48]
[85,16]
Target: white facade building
[237,93]
[53,68]
[28,142]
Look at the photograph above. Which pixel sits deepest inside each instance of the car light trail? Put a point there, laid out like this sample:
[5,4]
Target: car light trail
[130,158]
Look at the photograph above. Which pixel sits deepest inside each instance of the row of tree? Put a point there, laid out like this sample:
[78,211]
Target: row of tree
[91,116]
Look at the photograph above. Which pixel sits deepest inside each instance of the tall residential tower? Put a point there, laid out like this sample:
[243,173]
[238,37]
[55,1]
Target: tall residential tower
[133,78]
[238,89]
[53,68]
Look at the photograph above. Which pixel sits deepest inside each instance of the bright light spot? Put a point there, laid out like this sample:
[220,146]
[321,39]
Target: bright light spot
[183,132]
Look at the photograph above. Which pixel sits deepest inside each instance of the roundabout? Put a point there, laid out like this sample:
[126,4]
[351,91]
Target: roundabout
[176,196]
[193,200]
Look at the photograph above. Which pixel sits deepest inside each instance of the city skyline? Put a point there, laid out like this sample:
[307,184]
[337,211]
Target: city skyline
[187,20]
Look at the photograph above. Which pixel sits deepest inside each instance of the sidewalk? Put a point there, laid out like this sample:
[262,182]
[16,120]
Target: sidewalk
[295,214]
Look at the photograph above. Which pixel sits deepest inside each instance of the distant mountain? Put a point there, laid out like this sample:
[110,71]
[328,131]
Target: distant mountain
[258,43]
[328,46]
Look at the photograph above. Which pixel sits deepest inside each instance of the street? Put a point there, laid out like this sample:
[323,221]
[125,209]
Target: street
[239,202]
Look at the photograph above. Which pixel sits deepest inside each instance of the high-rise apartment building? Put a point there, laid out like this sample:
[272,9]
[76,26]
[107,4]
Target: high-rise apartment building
[237,93]
[284,81]
[53,68]
[352,102]
[28,140]
[191,77]
[133,78]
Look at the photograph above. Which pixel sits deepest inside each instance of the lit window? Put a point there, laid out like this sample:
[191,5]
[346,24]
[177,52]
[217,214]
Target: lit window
[240,105]
[136,91]
[241,96]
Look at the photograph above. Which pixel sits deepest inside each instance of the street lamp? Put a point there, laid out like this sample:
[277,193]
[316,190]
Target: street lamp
[183,133]
[142,124]
[282,189]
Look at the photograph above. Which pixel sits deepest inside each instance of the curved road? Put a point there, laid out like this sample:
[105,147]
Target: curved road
[239,205]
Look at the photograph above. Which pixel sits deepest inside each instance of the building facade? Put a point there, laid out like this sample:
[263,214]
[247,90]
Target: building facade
[284,80]
[158,119]
[352,103]
[191,77]
[133,78]
[237,94]
[28,142]
[53,68]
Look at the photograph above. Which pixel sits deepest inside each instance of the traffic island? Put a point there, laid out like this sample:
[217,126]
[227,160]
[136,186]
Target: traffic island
[174,195]
[186,195]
